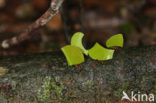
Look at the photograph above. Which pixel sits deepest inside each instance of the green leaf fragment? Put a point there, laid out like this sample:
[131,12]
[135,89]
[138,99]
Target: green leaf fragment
[73,55]
[76,40]
[98,52]
[3,71]
[116,40]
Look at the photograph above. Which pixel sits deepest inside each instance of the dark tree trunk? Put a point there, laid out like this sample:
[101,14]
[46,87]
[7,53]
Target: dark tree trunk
[46,77]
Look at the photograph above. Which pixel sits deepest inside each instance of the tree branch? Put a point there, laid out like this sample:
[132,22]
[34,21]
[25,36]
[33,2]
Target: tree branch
[29,76]
[49,14]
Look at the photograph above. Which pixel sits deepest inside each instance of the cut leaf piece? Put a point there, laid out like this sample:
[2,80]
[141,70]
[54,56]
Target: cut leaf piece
[76,40]
[116,40]
[98,52]
[3,71]
[73,55]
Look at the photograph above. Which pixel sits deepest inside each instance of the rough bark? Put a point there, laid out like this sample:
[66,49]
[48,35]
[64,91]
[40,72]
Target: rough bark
[46,77]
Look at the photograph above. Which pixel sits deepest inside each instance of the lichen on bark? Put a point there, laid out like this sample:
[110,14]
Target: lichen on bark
[130,69]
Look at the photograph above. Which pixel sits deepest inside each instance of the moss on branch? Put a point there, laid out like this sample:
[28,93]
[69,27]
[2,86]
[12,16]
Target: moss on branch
[131,69]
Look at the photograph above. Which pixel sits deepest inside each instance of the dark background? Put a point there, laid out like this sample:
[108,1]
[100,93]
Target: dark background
[98,19]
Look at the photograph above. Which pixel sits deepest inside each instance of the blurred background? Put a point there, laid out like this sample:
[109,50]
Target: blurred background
[98,19]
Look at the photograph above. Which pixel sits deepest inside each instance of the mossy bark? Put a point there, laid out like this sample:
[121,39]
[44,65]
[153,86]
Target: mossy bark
[46,77]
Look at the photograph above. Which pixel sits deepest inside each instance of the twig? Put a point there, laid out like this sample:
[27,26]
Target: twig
[49,14]
[64,21]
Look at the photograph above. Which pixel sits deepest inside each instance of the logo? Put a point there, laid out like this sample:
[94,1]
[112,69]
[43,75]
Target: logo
[138,97]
